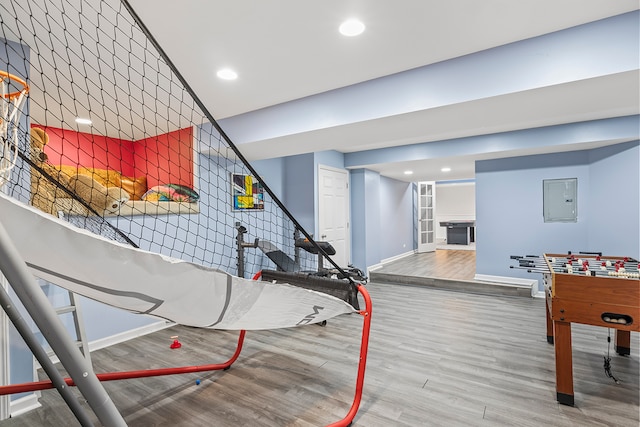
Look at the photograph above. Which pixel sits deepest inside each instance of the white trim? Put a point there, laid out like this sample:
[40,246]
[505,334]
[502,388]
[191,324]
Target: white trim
[24,404]
[121,337]
[539,294]
[504,279]
[429,219]
[397,257]
[129,335]
[514,281]
[27,403]
[388,260]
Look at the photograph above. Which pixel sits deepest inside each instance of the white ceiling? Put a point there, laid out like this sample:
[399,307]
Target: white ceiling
[284,50]
[288,49]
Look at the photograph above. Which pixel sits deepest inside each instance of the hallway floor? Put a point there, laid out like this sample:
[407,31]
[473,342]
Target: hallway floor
[447,269]
[443,263]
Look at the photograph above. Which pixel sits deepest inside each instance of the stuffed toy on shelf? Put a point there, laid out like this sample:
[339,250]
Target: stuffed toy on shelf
[80,181]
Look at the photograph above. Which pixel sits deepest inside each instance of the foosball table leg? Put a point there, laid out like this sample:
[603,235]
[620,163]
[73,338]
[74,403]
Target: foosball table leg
[549,321]
[623,342]
[564,363]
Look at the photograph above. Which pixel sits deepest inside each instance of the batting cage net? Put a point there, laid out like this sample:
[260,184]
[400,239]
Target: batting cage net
[110,137]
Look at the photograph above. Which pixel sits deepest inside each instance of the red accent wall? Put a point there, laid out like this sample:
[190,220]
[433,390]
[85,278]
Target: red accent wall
[68,147]
[163,159]
[166,158]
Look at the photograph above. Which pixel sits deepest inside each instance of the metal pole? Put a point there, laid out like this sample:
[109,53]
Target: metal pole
[296,249]
[45,317]
[240,241]
[5,407]
[41,355]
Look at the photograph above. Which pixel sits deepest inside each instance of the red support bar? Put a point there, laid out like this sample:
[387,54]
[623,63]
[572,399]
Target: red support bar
[112,376]
[364,348]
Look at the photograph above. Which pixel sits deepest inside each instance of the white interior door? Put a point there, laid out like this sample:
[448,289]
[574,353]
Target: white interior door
[426,216]
[333,211]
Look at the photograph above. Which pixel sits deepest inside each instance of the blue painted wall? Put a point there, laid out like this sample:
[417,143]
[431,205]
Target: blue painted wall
[373,221]
[396,217]
[382,209]
[299,189]
[509,215]
[272,172]
[614,211]
[591,50]
[616,128]
[509,206]
[358,220]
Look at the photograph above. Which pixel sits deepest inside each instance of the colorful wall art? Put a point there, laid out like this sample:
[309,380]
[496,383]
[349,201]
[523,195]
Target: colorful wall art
[247,193]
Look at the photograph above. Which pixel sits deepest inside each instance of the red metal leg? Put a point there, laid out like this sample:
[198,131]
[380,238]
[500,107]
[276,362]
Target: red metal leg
[111,376]
[364,348]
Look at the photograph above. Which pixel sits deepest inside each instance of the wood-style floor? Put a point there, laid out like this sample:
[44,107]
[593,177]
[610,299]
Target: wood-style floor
[442,263]
[436,358]
[454,270]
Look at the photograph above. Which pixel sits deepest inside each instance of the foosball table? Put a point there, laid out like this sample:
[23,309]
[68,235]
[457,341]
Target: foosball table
[590,289]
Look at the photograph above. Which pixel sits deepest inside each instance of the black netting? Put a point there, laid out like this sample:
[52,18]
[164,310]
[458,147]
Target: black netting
[153,168]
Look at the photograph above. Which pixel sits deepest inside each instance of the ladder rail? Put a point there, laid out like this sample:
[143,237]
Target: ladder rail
[78,324]
[73,307]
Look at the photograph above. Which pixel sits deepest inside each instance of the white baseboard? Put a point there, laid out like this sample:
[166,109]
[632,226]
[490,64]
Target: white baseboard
[128,335]
[30,402]
[121,337]
[515,281]
[24,405]
[388,260]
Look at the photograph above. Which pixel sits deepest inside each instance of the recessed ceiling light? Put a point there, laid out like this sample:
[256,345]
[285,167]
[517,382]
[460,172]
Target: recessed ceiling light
[351,27]
[408,172]
[227,74]
[82,121]
[446,169]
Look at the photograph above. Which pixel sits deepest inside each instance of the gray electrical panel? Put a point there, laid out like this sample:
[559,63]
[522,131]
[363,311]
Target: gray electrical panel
[560,200]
